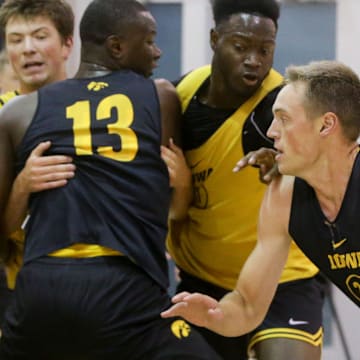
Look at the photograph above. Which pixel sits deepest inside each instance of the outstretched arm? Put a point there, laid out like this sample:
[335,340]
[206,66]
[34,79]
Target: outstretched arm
[242,309]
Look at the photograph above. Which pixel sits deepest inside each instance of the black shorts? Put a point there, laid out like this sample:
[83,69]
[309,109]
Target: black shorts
[295,313]
[99,308]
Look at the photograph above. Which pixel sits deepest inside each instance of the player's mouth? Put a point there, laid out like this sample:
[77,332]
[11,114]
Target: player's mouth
[279,154]
[33,66]
[250,78]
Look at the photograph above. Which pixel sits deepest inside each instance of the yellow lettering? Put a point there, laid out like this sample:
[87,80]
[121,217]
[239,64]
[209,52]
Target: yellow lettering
[340,261]
[332,263]
[351,260]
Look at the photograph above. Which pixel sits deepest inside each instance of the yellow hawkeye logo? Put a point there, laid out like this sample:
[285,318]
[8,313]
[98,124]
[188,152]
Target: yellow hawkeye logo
[353,284]
[180,329]
[97,85]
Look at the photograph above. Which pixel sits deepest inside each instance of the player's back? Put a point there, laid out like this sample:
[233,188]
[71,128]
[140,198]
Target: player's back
[119,197]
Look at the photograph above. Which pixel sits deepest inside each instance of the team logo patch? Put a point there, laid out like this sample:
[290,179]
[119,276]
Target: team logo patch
[180,329]
[353,284]
[97,85]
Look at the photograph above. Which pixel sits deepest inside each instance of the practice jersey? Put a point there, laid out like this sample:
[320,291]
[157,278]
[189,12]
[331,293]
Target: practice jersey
[120,195]
[220,231]
[333,246]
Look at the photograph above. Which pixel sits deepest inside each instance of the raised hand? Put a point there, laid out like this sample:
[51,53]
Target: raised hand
[264,158]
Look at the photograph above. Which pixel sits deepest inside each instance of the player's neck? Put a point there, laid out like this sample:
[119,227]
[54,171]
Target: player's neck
[87,69]
[331,183]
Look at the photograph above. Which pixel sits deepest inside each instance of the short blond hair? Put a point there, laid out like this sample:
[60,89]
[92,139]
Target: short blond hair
[331,86]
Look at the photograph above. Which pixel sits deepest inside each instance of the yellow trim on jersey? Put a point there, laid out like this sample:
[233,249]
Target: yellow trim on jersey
[6,97]
[287,333]
[187,90]
[85,251]
[218,235]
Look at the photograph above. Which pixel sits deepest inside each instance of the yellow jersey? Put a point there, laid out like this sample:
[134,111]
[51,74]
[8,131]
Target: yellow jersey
[220,231]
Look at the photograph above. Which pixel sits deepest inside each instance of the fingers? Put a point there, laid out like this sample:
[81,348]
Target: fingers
[47,185]
[249,159]
[179,172]
[174,148]
[270,175]
[53,171]
[46,172]
[38,152]
[167,155]
[41,148]
[172,153]
[199,309]
[263,157]
[178,309]
[180,297]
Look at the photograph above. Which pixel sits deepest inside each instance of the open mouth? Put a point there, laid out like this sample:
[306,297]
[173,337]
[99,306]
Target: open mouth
[250,79]
[33,65]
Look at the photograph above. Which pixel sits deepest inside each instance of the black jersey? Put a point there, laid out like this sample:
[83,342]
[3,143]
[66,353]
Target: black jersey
[333,246]
[120,195]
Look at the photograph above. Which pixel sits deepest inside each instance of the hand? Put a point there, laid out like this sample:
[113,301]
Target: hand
[45,172]
[179,172]
[198,309]
[264,158]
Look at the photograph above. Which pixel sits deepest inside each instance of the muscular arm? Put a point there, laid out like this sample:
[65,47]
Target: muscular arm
[180,175]
[40,173]
[14,120]
[242,309]
[7,158]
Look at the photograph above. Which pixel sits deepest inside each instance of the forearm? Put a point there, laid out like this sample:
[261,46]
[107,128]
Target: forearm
[16,208]
[239,318]
[180,202]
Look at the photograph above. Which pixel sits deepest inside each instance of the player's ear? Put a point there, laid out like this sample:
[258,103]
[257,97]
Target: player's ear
[116,45]
[329,123]
[214,37]
[67,47]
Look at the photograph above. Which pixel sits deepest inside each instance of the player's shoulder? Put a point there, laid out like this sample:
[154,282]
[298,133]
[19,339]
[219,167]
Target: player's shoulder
[282,186]
[166,90]
[276,204]
[164,84]
[20,106]
[279,193]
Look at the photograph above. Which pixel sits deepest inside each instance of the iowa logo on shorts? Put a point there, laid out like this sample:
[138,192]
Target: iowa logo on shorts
[180,329]
[97,85]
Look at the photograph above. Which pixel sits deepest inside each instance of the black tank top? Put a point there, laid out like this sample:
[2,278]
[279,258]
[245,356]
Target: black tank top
[120,195]
[333,246]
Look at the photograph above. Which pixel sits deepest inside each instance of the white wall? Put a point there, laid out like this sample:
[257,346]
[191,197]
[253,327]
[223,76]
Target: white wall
[78,6]
[347,51]
[349,318]
[348,33]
